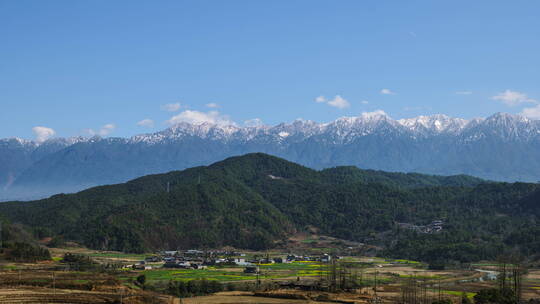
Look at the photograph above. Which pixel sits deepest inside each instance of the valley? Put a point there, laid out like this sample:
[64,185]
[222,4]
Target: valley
[259,229]
[269,152]
[299,280]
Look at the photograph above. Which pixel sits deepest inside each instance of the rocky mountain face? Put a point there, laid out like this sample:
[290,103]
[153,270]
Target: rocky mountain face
[501,147]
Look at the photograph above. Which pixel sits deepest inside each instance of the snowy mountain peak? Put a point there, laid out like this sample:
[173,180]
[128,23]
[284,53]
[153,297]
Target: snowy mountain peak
[437,123]
[506,118]
[341,130]
[502,147]
[375,116]
[18,141]
[365,119]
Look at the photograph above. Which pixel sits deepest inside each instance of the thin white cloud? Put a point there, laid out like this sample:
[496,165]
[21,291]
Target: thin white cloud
[106,129]
[463,93]
[320,99]
[513,98]
[374,114]
[212,105]
[533,112]
[147,123]
[339,102]
[387,92]
[103,131]
[196,117]
[89,132]
[364,102]
[255,122]
[42,133]
[171,107]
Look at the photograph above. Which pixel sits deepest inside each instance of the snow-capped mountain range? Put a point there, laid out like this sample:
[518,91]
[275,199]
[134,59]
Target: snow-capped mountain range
[500,147]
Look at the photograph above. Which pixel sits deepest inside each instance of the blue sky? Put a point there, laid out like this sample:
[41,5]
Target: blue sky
[102,67]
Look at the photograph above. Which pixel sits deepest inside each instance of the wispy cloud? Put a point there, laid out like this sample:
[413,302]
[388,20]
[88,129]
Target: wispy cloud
[320,99]
[42,133]
[107,129]
[147,123]
[196,117]
[255,122]
[337,102]
[463,93]
[387,92]
[532,112]
[212,105]
[364,102]
[374,114]
[513,98]
[171,107]
[103,131]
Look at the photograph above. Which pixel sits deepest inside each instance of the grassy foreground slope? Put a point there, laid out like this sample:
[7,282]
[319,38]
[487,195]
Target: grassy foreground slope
[255,200]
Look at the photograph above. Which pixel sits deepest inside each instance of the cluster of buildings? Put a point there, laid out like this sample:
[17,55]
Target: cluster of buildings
[325,258]
[433,227]
[197,259]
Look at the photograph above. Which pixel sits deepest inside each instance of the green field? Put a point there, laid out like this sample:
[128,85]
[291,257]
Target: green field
[459,293]
[268,271]
[193,274]
[403,261]
[423,277]
[118,255]
[291,266]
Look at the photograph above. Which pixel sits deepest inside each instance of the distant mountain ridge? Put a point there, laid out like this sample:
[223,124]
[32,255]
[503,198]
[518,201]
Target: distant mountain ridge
[501,147]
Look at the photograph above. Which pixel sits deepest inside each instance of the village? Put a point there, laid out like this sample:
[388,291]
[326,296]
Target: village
[199,259]
[231,275]
[434,227]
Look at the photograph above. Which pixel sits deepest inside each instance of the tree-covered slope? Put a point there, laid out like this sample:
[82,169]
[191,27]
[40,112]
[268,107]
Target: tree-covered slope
[255,200]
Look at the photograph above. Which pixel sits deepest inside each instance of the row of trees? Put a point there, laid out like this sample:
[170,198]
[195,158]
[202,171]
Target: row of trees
[26,252]
[18,245]
[509,279]
[193,287]
[508,290]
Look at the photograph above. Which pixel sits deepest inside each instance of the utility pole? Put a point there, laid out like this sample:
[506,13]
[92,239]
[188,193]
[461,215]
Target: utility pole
[375,288]
[439,288]
[258,270]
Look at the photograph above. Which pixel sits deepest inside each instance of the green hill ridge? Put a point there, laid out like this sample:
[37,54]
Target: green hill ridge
[256,200]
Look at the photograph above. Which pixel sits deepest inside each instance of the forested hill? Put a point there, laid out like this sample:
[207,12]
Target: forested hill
[256,200]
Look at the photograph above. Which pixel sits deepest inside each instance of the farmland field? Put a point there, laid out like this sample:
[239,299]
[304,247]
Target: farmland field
[388,274]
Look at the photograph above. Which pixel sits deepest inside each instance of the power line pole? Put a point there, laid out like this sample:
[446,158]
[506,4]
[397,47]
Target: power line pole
[375,288]
[257,271]
[54,284]
[439,288]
